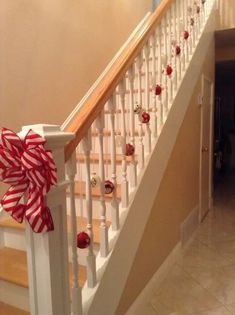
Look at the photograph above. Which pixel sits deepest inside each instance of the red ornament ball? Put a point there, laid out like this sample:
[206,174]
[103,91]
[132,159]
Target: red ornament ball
[108,187]
[158,89]
[83,240]
[177,50]
[130,149]
[186,35]
[145,117]
[169,70]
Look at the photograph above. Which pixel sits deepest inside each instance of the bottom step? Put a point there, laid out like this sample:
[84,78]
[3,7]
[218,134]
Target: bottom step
[6,309]
[14,280]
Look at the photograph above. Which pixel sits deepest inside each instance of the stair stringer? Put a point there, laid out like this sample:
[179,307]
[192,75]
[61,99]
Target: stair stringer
[104,299]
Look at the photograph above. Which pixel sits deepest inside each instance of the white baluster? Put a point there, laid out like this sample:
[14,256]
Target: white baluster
[147,99]
[114,202]
[91,259]
[164,30]
[192,23]
[173,14]
[133,170]
[104,247]
[190,41]
[169,52]
[199,18]
[71,170]
[124,184]
[156,117]
[139,63]
[183,29]
[160,109]
[197,29]
[179,41]
[186,25]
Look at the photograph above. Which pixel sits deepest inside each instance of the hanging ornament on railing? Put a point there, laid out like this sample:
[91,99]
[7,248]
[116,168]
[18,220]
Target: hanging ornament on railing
[94,180]
[138,109]
[158,89]
[177,50]
[108,187]
[83,240]
[31,171]
[169,70]
[198,9]
[130,149]
[186,35]
[145,117]
[192,21]
[190,9]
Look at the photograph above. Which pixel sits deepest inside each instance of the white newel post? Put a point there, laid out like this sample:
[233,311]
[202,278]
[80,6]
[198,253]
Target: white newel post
[47,253]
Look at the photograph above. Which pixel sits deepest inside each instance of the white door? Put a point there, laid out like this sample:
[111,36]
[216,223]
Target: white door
[206,148]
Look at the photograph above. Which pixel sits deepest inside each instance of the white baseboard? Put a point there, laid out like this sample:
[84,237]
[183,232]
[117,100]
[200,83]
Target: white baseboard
[189,226]
[156,280]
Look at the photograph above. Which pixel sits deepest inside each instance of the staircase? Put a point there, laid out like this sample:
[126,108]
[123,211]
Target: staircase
[123,133]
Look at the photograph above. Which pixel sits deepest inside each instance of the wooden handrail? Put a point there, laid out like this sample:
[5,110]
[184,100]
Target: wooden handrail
[95,103]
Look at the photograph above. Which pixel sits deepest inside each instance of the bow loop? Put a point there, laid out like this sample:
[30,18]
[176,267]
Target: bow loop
[31,171]
[10,141]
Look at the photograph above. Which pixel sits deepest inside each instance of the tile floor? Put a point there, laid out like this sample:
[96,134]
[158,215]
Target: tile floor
[202,282]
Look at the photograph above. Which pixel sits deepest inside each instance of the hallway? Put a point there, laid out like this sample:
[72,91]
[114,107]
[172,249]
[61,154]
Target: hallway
[202,282]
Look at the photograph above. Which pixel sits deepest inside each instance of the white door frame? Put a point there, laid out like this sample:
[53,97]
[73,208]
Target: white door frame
[210,152]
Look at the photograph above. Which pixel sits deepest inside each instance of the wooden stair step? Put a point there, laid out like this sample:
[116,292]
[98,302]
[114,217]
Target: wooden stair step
[13,268]
[94,158]
[6,309]
[81,226]
[80,190]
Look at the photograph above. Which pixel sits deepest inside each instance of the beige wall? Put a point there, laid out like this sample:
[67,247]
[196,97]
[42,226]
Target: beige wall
[178,195]
[52,51]
[226,14]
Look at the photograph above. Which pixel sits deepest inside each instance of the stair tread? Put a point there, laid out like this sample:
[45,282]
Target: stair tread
[6,309]
[81,225]
[94,157]
[80,189]
[13,268]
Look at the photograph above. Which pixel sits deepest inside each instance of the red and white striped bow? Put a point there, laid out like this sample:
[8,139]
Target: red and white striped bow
[31,171]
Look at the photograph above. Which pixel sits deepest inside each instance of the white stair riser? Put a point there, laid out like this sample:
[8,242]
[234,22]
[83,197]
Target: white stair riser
[14,295]
[13,238]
